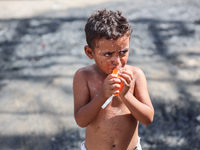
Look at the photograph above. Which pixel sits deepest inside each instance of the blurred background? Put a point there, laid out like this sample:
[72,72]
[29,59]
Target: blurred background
[41,47]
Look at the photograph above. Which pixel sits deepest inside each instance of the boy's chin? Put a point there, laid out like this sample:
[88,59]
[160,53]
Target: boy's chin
[107,71]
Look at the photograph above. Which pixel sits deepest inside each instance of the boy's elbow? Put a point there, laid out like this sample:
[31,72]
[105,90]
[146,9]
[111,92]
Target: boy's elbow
[148,120]
[81,123]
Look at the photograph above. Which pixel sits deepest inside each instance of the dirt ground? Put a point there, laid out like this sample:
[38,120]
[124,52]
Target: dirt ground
[41,47]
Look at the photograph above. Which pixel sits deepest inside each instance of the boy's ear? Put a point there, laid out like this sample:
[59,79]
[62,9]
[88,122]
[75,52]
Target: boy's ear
[89,52]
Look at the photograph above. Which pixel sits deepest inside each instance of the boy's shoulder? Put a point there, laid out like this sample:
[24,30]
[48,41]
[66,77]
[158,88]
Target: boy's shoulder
[84,71]
[134,69]
[137,72]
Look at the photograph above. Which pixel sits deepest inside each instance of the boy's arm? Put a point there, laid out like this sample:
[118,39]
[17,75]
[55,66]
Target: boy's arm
[86,108]
[139,103]
[85,111]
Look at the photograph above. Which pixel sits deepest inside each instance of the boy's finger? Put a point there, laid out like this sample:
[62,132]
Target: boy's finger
[113,76]
[124,82]
[116,91]
[115,80]
[116,86]
[128,77]
[126,73]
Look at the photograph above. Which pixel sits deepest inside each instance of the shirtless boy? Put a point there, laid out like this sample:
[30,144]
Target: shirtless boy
[115,127]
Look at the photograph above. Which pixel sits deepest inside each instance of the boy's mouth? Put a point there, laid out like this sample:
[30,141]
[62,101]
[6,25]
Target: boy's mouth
[118,67]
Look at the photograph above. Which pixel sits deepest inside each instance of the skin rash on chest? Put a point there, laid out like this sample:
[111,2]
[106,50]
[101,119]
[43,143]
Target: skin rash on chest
[114,127]
[115,121]
[115,118]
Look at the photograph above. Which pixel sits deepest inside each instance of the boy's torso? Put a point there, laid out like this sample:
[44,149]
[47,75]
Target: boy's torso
[115,127]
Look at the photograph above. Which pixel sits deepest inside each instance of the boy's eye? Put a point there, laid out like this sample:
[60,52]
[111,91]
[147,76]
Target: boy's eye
[124,52]
[108,54]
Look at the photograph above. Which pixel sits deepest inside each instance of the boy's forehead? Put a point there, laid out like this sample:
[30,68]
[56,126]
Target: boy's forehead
[104,42]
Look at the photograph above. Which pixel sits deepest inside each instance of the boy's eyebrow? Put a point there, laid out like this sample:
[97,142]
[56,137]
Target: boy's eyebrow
[125,49]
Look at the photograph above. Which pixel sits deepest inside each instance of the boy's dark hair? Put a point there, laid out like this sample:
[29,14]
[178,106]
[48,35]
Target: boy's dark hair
[108,24]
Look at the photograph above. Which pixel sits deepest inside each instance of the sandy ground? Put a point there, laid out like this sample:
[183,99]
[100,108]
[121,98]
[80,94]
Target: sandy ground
[30,8]
[42,47]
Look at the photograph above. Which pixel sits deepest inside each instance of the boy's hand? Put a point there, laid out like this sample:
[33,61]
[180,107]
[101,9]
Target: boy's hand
[126,78]
[111,83]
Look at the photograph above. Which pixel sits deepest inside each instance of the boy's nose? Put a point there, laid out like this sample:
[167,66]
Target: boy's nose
[116,61]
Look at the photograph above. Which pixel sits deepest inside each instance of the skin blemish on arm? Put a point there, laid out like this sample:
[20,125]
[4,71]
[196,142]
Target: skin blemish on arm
[97,128]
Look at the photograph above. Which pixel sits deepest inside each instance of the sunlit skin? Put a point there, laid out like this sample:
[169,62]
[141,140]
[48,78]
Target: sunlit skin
[116,126]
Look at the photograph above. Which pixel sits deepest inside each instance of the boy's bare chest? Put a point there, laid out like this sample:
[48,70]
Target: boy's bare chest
[115,107]
[95,83]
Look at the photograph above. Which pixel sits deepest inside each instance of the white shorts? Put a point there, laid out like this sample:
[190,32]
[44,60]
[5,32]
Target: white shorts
[83,146]
[138,146]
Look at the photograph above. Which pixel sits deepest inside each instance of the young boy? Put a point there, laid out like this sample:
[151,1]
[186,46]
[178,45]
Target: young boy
[115,127]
